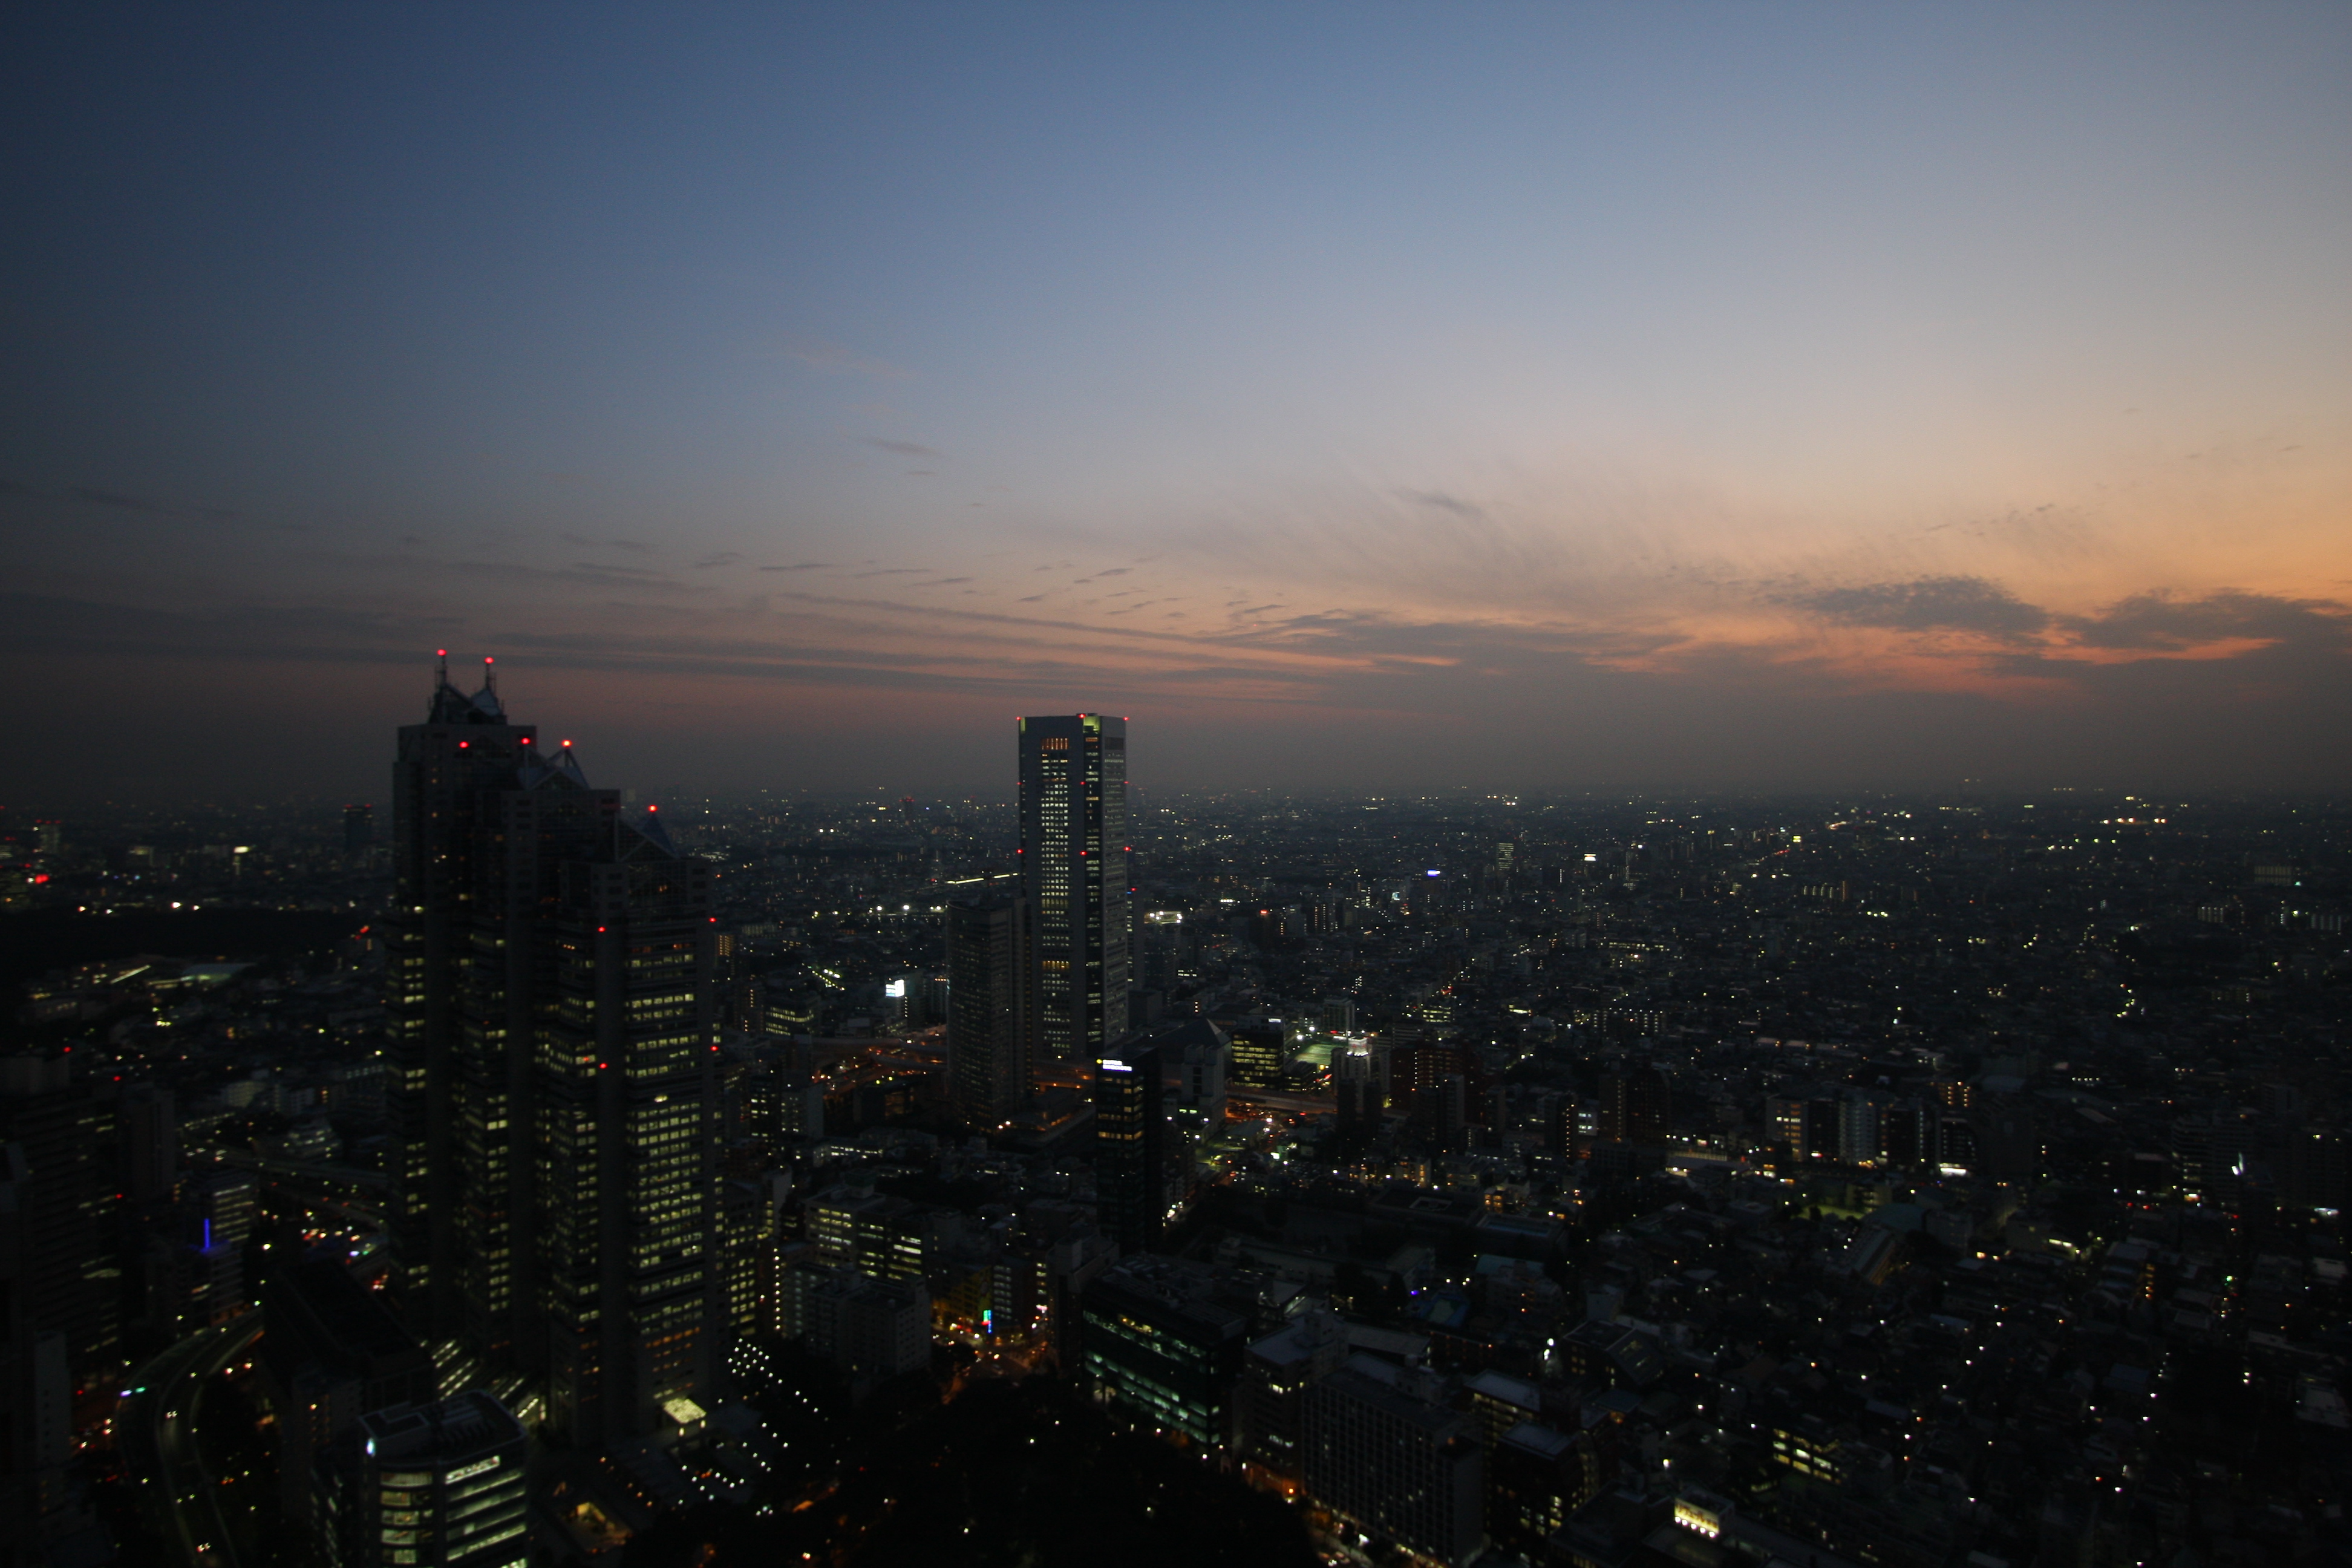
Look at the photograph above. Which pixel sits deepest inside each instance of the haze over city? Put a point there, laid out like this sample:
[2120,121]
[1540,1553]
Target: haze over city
[1203,785]
[1508,396]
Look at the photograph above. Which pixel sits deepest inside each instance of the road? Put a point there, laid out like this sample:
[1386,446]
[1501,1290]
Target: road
[161,1432]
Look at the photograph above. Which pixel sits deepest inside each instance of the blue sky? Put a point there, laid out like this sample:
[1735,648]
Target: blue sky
[1789,395]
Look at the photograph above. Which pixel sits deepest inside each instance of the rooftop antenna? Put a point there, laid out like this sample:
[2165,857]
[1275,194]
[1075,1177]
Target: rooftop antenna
[443,655]
[489,676]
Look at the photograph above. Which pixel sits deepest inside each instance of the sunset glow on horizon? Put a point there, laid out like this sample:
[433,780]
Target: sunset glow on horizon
[1395,397]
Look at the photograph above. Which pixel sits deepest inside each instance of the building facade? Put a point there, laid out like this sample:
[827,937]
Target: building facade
[1393,1459]
[435,1486]
[1131,1158]
[990,1021]
[1075,880]
[550,1016]
[1164,1349]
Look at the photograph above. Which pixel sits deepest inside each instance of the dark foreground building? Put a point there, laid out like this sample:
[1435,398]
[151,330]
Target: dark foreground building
[990,1022]
[1130,1160]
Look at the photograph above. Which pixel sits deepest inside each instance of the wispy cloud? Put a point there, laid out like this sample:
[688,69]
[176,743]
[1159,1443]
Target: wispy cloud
[903,448]
[1930,604]
[118,501]
[1438,500]
[2165,622]
[837,360]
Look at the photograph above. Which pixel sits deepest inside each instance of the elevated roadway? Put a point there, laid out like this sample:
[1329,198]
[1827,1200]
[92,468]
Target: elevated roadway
[159,1436]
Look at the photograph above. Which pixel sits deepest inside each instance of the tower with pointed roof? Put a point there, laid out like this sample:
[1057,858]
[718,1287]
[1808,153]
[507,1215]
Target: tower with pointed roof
[551,1015]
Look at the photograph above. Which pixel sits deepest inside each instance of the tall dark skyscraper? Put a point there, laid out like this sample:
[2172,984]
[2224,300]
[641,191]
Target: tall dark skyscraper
[1073,877]
[60,1319]
[549,1015]
[988,1020]
[1130,1181]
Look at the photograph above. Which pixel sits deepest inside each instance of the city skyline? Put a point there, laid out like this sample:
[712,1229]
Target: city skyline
[1547,398]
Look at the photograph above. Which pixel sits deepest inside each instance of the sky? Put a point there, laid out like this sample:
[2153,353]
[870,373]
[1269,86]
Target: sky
[1355,397]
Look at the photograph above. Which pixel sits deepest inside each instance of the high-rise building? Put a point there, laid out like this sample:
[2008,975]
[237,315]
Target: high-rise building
[1537,1478]
[1130,1197]
[857,1228]
[1073,877]
[150,1143]
[549,1015]
[989,1021]
[1636,1103]
[359,829]
[864,1326]
[1261,1051]
[64,1126]
[1166,1343]
[1381,1449]
[331,1354]
[1355,1084]
[439,1486]
[1275,1376]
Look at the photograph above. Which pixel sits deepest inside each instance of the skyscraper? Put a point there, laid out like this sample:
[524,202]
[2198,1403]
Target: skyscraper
[1073,877]
[59,1266]
[1130,1182]
[550,1013]
[989,1020]
[440,1486]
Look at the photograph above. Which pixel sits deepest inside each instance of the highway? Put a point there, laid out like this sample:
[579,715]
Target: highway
[160,1433]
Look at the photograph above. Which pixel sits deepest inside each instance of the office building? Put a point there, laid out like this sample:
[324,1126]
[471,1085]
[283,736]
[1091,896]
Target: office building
[1275,1376]
[1356,1087]
[330,1353]
[989,1026]
[1261,1049]
[66,1128]
[35,1385]
[435,1486]
[878,1235]
[359,830]
[1163,1346]
[863,1326]
[211,1284]
[1498,1402]
[1130,1178]
[1636,1105]
[1382,1450]
[1537,1478]
[150,1143]
[548,1014]
[1075,880]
